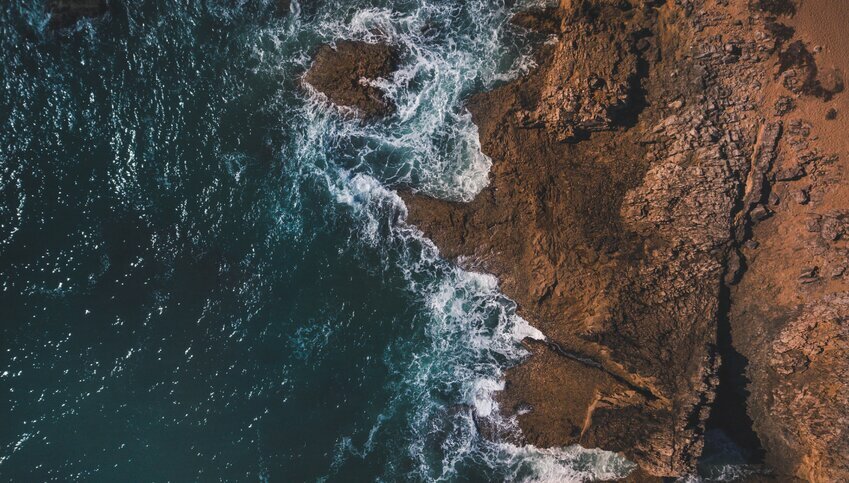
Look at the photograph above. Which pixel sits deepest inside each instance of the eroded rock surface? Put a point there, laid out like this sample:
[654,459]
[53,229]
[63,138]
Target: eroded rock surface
[347,71]
[806,389]
[607,222]
[632,171]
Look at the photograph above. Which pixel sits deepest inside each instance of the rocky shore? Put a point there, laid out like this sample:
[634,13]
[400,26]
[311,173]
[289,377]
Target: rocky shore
[668,205]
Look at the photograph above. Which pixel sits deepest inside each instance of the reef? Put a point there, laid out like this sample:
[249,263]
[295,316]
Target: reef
[668,205]
[65,13]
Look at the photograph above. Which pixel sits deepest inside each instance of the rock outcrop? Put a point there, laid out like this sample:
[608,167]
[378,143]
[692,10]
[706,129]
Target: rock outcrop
[804,391]
[346,73]
[607,220]
[632,172]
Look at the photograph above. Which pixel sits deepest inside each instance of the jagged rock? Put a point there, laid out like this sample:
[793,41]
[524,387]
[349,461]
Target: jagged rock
[809,275]
[621,244]
[759,213]
[801,197]
[283,6]
[765,154]
[807,430]
[775,7]
[589,80]
[346,73]
[64,13]
[612,246]
[784,105]
[800,73]
[543,20]
[834,226]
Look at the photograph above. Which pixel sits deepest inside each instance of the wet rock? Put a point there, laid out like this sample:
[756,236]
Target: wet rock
[613,242]
[65,13]
[346,74]
[614,217]
[284,7]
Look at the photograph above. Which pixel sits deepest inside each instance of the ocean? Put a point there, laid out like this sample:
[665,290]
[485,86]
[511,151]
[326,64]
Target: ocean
[205,270]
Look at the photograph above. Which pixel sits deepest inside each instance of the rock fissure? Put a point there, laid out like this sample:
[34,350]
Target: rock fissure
[590,362]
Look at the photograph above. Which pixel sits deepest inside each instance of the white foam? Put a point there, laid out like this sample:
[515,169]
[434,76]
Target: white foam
[432,144]
[571,464]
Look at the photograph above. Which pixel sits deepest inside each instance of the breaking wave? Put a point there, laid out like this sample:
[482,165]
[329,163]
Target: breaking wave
[144,131]
[449,50]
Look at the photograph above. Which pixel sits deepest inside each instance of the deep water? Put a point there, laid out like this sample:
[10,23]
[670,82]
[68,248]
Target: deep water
[205,273]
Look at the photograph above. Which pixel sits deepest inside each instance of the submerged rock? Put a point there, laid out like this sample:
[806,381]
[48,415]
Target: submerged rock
[346,73]
[65,13]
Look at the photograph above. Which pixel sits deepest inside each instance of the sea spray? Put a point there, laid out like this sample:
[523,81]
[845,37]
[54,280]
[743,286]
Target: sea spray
[431,144]
[225,314]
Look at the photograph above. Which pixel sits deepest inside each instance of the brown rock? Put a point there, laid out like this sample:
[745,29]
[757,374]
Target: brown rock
[834,226]
[543,20]
[784,105]
[345,74]
[618,222]
[612,246]
[803,393]
[589,81]
[801,74]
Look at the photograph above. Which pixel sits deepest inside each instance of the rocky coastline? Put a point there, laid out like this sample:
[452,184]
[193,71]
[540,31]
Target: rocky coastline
[668,205]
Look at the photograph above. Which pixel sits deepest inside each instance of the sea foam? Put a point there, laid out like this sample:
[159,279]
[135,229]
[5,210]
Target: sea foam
[448,51]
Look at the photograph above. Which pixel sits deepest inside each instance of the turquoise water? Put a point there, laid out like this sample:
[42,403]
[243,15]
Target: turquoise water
[205,270]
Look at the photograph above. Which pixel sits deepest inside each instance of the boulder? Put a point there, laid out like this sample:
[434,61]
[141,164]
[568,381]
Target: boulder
[346,73]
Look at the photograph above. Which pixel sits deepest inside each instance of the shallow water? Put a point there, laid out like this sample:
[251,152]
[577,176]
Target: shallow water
[205,269]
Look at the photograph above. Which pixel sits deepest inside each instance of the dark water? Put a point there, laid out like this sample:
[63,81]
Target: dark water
[205,272]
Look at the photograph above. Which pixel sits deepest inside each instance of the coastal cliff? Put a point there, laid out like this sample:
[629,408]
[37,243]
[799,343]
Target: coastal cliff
[663,207]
